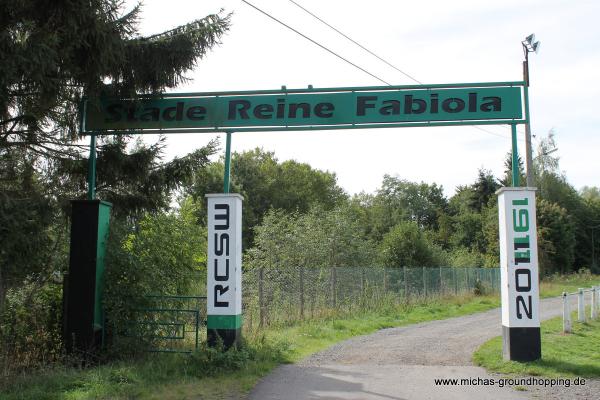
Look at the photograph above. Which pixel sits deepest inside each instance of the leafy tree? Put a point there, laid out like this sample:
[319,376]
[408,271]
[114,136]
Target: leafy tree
[591,197]
[317,239]
[420,202]
[346,245]
[464,258]
[300,187]
[468,208]
[590,193]
[268,184]
[400,200]
[275,241]
[406,245]
[555,189]
[468,232]
[556,238]
[492,235]
[462,200]
[544,160]
[317,242]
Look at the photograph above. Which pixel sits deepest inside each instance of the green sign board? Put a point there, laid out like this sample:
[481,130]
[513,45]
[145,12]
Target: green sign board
[339,108]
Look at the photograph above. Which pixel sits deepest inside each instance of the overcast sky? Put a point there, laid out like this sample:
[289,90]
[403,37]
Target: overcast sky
[434,41]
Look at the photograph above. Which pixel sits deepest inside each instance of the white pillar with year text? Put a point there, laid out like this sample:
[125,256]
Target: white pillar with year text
[519,274]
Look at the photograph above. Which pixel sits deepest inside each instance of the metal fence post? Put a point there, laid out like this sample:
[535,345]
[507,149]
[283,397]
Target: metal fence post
[406,293]
[197,329]
[302,292]
[313,297]
[441,280]
[333,284]
[580,306]
[566,314]
[362,282]
[594,312]
[455,280]
[385,288]
[424,284]
[261,299]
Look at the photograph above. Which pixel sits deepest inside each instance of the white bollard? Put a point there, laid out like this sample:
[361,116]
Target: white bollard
[580,306]
[566,314]
[594,305]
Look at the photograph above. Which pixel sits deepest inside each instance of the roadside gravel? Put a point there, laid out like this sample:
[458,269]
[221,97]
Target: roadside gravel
[402,363]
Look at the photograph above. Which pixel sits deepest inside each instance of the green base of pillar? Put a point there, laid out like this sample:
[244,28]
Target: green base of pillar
[225,330]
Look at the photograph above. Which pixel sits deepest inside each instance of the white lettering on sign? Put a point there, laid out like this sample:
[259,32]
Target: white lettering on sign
[224,260]
[518,257]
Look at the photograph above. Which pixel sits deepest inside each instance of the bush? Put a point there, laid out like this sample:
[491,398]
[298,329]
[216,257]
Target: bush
[165,255]
[481,289]
[465,258]
[30,327]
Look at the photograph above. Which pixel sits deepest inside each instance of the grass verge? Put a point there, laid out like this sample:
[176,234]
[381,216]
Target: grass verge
[556,284]
[563,355]
[209,374]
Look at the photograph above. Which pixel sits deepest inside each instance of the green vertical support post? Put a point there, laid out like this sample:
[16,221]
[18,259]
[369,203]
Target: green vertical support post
[227,163]
[92,169]
[515,156]
[197,328]
[103,230]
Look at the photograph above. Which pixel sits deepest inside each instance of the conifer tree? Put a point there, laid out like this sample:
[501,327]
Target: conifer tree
[53,54]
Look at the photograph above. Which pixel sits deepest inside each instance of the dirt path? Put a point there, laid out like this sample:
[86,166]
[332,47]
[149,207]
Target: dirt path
[402,363]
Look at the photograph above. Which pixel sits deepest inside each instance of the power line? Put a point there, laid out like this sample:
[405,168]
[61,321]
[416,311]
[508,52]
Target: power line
[346,60]
[379,58]
[317,43]
[355,42]
[490,132]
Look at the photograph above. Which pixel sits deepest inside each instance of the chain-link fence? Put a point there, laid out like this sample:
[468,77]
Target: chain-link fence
[274,296]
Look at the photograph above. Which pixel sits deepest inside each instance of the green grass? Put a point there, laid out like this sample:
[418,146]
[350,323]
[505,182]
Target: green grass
[158,376]
[212,375]
[563,355]
[202,376]
[554,285]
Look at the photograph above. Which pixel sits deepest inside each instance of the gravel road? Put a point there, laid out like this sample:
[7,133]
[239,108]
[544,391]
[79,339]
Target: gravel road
[402,363]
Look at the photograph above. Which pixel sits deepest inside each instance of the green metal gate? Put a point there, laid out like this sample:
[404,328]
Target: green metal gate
[171,324]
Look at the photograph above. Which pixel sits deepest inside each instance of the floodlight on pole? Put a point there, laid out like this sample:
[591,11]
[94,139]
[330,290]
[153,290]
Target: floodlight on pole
[530,39]
[529,45]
